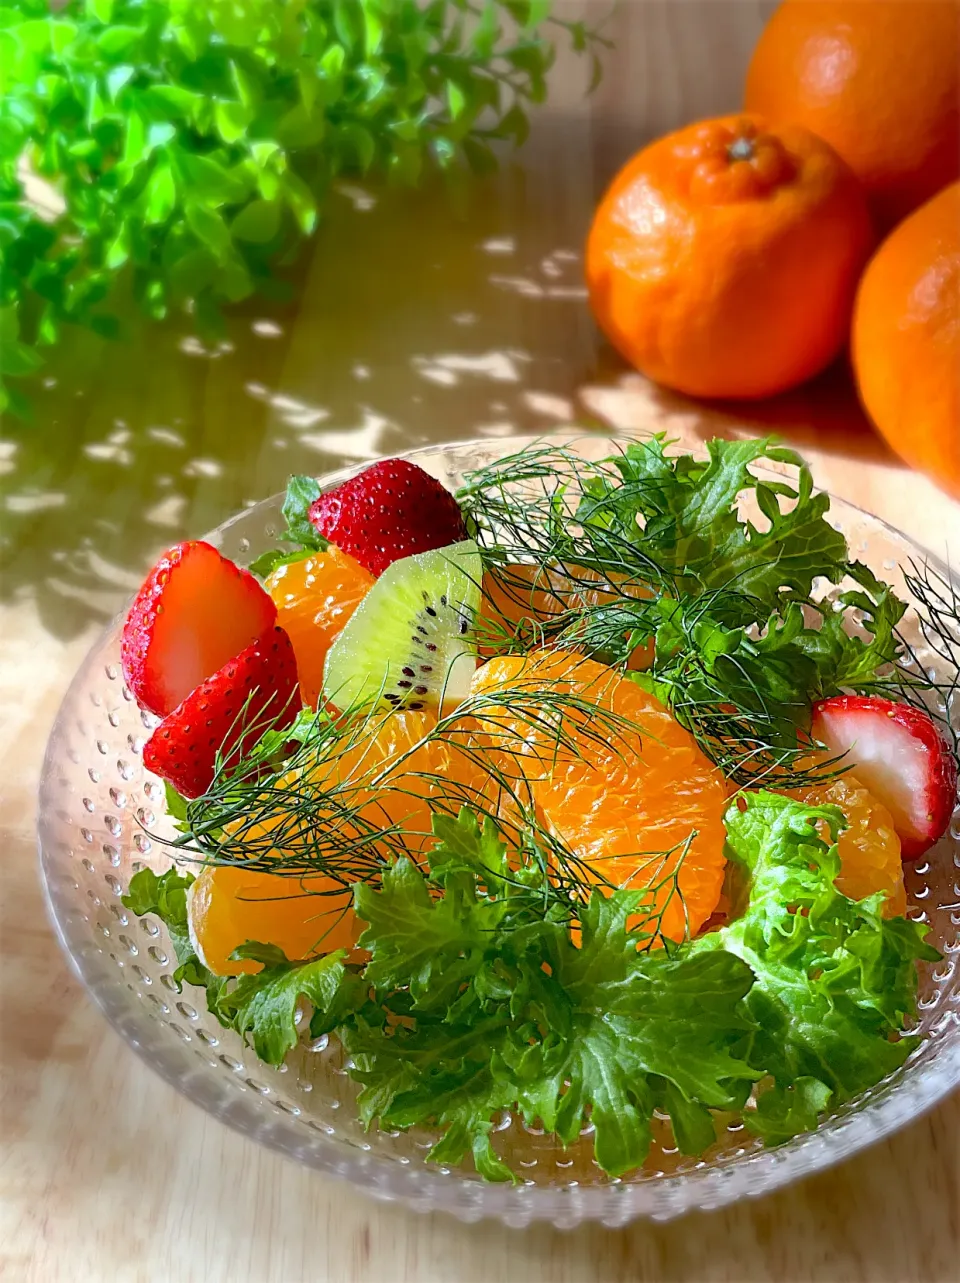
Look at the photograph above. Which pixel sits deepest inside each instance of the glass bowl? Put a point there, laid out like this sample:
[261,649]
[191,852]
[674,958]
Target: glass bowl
[97,804]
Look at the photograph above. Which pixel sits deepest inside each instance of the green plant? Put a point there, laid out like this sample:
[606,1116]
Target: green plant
[191,144]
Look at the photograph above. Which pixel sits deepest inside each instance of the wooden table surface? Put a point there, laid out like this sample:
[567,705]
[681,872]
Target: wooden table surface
[422,318]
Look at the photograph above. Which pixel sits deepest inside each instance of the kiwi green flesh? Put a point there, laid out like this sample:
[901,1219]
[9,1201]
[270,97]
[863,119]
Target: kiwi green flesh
[409,643]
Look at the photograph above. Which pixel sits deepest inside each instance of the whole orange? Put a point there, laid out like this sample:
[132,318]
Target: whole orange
[879,80]
[906,339]
[724,258]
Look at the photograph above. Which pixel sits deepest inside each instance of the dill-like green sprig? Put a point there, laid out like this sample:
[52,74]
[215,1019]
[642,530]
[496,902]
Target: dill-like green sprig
[329,808]
[546,523]
[600,548]
[936,600]
[532,508]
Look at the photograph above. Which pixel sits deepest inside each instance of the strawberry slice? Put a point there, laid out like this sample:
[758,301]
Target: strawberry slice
[899,754]
[195,611]
[393,509]
[253,692]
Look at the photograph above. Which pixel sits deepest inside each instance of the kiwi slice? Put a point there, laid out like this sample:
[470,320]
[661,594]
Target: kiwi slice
[409,643]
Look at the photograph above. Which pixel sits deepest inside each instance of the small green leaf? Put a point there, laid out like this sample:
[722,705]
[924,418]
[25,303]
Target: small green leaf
[538,12]
[514,125]
[142,895]
[232,120]
[270,955]
[267,562]
[233,279]
[119,41]
[172,102]
[301,492]
[333,61]
[347,22]
[784,1112]
[263,1006]
[9,324]
[487,31]
[118,251]
[210,181]
[693,1126]
[117,77]
[257,222]
[373,30]
[165,896]
[47,331]
[102,10]
[16,359]
[189,37]
[301,128]
[358,145]
[176,804]
[456,99]
[249,89]
[209,227]
[160,197]
[479,156]
[135,139]
[300,199]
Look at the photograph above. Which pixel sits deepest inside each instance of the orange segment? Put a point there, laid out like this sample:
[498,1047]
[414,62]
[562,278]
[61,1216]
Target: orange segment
[625,789]
[230,905]
[315,598]
[387,775]
[869,849]
[395,773]
[369,796]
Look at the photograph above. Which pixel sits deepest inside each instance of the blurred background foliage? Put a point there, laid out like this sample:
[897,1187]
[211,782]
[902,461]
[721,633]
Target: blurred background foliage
[190,146]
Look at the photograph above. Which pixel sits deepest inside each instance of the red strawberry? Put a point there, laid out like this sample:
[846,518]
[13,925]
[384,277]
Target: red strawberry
[195,611]
[251,693]
[901,756]
[391,510]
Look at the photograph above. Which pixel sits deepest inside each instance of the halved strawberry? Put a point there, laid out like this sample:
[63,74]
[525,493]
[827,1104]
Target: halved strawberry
[253,692]
[393,509]
[900,754]
[195,611]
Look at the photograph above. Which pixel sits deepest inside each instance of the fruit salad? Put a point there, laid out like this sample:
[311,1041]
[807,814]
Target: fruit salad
[582,793]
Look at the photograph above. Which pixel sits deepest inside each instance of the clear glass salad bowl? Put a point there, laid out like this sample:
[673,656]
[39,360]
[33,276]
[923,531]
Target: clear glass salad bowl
[98,805]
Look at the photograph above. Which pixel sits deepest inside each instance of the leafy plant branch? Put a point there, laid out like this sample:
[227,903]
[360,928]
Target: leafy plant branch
[191,145]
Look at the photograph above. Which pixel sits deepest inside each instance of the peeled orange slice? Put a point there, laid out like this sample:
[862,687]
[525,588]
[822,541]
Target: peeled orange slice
[370,797]
[229,905]
[315,598]
[392,775]
[612,774]
[869,848]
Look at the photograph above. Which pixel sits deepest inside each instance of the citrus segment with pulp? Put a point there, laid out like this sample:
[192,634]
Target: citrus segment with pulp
[613,776]
[370,797]
[229,905]
[315,597]
[868,847]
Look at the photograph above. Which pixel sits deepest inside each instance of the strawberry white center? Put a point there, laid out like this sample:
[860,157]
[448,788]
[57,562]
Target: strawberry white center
[888,759]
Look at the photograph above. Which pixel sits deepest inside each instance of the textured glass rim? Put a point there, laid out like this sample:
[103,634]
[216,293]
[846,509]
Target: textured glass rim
[715,1185]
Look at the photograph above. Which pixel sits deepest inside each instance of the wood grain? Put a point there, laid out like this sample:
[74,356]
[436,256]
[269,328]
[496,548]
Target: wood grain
[423,317]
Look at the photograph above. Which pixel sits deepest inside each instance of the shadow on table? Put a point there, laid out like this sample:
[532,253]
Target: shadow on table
[419,321]
[823,414]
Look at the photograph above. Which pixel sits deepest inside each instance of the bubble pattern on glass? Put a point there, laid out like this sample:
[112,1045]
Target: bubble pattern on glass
[97,805]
